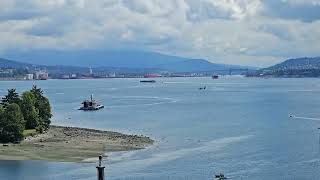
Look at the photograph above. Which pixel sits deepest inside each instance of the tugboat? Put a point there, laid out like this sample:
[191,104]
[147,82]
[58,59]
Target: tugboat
[90,105]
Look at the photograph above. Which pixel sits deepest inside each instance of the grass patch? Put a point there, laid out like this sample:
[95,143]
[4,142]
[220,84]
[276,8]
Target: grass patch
[29,132]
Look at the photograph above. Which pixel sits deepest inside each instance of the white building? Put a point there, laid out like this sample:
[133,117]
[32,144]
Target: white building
[73,75]
[112,75]
[41,75]
[90,71]
[29,77]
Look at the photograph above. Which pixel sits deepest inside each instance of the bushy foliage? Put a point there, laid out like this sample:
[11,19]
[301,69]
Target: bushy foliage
[11,123]
[43,105]
[30,111]
[11,97]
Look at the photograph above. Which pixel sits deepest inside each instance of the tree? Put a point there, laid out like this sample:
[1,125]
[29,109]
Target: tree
[37,91]
[44,112]
[43,105]
[1,112]
[29,111]
[11,97]
[2,124]
[11,123]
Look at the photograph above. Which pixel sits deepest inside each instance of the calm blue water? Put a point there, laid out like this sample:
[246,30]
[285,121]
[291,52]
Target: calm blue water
[239,126]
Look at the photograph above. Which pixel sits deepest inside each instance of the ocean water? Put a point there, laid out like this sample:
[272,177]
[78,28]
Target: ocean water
[239,126]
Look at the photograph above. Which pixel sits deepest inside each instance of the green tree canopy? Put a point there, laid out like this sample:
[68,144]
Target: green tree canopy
[11,123]
[43,105]
[1,112]
[37,91]
[11,97]
[29,111]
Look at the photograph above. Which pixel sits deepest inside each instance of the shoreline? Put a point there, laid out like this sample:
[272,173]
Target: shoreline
[72,144]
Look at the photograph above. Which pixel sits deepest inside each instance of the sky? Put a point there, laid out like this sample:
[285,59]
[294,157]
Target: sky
[245,32]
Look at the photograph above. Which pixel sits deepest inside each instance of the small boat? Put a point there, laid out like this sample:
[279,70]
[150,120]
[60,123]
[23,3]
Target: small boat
[220,176]
[291,116]
[90,105]
[203,88]
[147,81]
[215,77]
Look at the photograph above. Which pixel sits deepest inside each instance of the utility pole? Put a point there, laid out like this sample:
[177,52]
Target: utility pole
[100,169]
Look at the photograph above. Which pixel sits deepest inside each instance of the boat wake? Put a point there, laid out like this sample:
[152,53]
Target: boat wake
[159,100]
[213,83]
[152,156]
[306,118]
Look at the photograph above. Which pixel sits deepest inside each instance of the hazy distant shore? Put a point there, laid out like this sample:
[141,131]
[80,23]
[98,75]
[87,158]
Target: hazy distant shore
[71,144]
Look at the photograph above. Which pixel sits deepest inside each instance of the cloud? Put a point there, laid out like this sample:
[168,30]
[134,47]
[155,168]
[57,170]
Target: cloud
[251,32]
[304,10]
[224,9]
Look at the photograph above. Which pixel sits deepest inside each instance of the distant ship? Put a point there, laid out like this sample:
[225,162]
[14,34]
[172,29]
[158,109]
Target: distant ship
[90,105]
[147,81]
[215,77]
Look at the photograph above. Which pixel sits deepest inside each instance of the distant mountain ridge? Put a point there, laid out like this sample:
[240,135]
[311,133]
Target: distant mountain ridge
[298,67]
[5,63]
[118,59]
[298,63]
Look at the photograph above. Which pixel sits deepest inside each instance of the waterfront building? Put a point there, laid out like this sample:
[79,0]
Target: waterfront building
[73,76]
[65,76]
[112,75]
[29,76]
[90,71]
[41,75]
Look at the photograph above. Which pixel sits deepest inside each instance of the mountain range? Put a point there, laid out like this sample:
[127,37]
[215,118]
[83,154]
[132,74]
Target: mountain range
[134,60]
[5,63]
[146,62]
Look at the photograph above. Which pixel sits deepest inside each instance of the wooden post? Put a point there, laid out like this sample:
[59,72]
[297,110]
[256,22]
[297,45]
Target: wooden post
[100,169]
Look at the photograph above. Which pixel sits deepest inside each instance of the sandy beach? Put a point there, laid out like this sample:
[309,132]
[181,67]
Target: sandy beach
[71,144]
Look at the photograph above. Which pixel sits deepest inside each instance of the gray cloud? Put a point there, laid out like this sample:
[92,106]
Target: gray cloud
[252,32]
[223,9]
[304,10]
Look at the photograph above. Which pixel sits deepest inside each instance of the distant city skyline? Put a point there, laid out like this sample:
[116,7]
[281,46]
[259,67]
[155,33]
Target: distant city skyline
[245,32]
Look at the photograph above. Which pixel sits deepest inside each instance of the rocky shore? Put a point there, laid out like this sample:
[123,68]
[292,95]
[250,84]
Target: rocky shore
[71,144]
